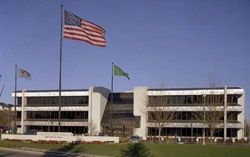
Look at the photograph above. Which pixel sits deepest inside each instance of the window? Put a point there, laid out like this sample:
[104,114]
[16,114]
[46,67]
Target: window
[188,99]
[122,98]
[70,100]
[54,115]
[179,100]
[232,116]
[232,99]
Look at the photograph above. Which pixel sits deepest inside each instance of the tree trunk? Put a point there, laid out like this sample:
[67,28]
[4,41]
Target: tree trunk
[159,134]
[211,135]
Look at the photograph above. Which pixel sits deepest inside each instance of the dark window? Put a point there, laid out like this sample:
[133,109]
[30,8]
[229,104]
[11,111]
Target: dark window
[69,100]
[122,98]
[54,115]
[232,116]
[232,99]
[179,100]
[19,101]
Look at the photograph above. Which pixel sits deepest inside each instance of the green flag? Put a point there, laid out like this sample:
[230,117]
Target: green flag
[23,73]
[119,72]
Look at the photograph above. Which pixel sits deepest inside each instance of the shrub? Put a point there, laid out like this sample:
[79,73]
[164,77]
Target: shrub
[135,150]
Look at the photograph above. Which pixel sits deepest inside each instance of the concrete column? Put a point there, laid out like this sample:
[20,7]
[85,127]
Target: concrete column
[225,114]
[90,121]
[23,113]
[241,116]
[98,98]
[140,109]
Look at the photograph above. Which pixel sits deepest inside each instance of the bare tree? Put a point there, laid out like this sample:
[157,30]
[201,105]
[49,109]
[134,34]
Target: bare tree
[213,117]
[247,128]
[5,118]
[158,114]
[160,118]
[212,114]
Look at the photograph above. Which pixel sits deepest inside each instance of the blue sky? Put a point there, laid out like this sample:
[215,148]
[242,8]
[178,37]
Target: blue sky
[162,43]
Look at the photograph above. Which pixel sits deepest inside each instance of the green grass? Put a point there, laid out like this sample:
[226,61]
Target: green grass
[171,150]
[158,150]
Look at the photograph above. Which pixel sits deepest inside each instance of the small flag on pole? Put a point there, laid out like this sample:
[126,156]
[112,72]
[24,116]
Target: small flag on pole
[21,73]
[119,72]
[77,28]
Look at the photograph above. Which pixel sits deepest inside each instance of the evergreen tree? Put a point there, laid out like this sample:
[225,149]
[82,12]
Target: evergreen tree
[136,150]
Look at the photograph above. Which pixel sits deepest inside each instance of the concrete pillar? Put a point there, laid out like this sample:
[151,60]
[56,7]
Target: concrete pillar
[241,116]
[23,113]
[225,113]
[98,97]
[140,109]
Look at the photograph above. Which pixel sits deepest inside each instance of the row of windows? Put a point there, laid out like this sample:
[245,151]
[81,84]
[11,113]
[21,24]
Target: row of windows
[123,115]
[118,98]
[69,100]
[191,116]
[192,100]
[122,107]
[54,115]
[122,98]
[191,132]
[73,129]
[127,98]
[151,115]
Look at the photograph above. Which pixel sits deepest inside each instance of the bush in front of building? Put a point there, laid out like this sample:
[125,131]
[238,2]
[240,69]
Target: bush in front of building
[136,150]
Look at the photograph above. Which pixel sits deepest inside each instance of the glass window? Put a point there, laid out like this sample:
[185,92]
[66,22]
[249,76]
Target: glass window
[179,100]
[75,100]
[188,99]
[173,99]
[189,116]
[232,99]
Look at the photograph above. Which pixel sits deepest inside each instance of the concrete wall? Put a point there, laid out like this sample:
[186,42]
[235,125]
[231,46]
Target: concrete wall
[98,97]
[52,136]
[140,109]
[241,101]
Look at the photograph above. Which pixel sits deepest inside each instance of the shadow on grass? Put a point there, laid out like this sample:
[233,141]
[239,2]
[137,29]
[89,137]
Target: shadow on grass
[72,149]
[69,149]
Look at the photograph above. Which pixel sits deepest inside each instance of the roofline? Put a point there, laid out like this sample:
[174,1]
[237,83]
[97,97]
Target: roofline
[199,88]
[55,90]
[150,89]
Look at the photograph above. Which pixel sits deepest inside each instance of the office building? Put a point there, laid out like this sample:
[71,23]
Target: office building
[177,112]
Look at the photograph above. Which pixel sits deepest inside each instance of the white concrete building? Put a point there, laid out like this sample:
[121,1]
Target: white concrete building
[93,111]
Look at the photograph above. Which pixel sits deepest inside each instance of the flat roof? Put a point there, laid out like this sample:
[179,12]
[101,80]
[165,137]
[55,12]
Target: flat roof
[55,90]
[150,89]
[198,88]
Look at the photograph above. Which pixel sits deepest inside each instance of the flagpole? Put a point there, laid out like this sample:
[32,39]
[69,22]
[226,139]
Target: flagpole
[14,128]
[111,107]
[60,75]
[112,78]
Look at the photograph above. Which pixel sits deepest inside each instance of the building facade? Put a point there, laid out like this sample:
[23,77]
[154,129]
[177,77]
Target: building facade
[178,112]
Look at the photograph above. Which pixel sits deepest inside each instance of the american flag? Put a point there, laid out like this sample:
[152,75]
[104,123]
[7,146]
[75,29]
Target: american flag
[77,28]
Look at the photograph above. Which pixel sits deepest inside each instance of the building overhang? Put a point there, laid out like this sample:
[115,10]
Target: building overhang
[52,93]
[206,91]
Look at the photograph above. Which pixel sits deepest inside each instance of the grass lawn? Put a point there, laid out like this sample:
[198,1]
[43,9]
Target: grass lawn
[158,150]
[187,150]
